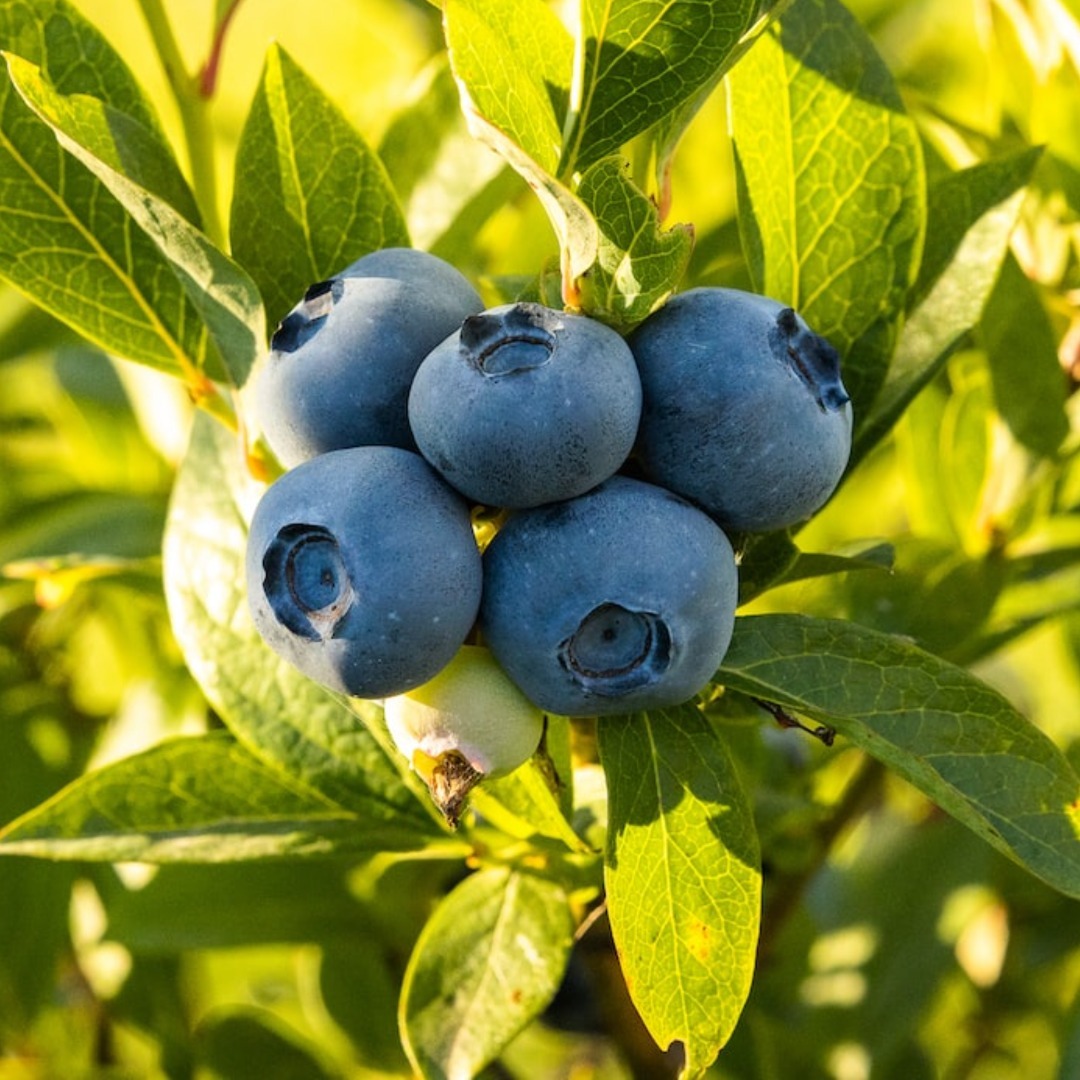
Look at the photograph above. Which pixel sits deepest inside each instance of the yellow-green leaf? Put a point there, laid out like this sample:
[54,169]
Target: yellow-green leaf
[831,188]
[488,961]
[683,877]
[639,62]
[310,196]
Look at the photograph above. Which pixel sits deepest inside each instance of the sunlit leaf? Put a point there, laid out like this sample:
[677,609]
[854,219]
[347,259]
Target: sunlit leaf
[513,64]
[638,264]
[75,56]
[667,132]
[512,61]
[122,142]
[525,804]
[488,961]
[69,245]
[639,62]
[223,295]
[310,196]
[683,877]
[831,204]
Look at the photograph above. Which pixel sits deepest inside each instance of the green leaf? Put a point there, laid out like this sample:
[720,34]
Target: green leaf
[764,559]
[683,877]
[639,62]
[224,296]
[197,799]
[831,183]
[638,264]
[971,217]
[97,524]
[69,245]
[365,968]
[242,1042]
[868,555]
[109,136]
[75,56]
[26,328]
[35,897]
[1021,345]
[228,905]
[280,715]
[957,740]
[667,132]
[488,961]
[310,196]
[523,804]
[513,61]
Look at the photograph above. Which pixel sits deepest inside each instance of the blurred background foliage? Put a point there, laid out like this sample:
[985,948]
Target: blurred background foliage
[895,943]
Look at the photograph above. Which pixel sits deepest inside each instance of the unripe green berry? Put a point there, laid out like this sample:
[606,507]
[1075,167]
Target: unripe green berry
[468,723]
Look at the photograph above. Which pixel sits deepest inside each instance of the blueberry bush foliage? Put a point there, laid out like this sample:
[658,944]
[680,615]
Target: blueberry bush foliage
[857,854]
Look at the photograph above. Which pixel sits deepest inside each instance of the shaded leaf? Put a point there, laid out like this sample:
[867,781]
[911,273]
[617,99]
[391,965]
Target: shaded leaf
[365,968]
[971,217]
[310,196]
[237,1043]
[35,897]
[830,177]
[1029,384]
[27,328]
[764,559]
[957,740]
[223,906]
[488,961]
[683,877]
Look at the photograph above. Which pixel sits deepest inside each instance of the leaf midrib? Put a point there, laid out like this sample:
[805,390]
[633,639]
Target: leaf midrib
[178,353]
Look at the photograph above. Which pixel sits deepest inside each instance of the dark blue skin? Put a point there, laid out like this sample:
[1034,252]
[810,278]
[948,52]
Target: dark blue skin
[362,570]
[526,405]
[341,362]
[614,602]
[745,412]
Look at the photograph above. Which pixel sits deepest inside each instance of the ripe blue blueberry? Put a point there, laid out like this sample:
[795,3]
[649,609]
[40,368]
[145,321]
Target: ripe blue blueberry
[744,410]
[525,405]
[362,570]
[620,600]
[341,362]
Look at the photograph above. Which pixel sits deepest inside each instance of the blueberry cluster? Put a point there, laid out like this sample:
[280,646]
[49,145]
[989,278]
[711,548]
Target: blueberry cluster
[399,405]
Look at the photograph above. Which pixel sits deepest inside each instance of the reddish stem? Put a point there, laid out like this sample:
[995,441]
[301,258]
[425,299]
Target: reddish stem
[209,73]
